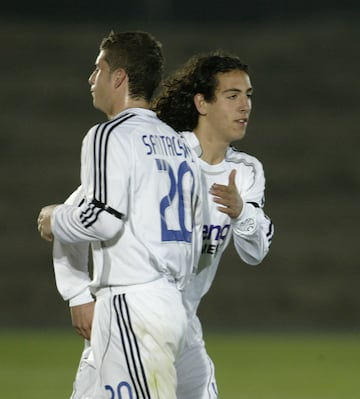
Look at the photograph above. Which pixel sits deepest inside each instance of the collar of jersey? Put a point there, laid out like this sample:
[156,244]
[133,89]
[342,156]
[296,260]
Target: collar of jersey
[134,111]
[193,141]
[214,169]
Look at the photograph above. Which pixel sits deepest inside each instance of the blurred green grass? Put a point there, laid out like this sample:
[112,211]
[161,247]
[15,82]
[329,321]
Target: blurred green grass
[41,364]
[286,366]
[38,364]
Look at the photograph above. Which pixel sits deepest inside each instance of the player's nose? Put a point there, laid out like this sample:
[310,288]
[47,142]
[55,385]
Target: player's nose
[245,104]
[91,79]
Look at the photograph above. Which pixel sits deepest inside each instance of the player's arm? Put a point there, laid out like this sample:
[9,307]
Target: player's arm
[91,222]
[71,264]
[252,229]
[252,234]
[72,276]
[99,217]
[72,281]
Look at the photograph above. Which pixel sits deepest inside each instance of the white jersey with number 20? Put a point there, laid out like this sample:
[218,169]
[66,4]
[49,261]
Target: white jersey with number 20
[139,205]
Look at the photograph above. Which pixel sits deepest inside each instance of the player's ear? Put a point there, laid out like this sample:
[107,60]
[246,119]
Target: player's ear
[200,104]
[119,75]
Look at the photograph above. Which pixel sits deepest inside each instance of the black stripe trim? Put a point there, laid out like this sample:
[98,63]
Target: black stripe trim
[142,370]
[107,208]
[94,158]
[81,202]
[255,204]
[100,143]
[117,307]
[270,232]
[130,348]
[101,139]
[90,215]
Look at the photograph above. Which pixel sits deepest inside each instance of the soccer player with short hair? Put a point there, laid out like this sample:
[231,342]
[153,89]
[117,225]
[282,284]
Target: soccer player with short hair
[139,206]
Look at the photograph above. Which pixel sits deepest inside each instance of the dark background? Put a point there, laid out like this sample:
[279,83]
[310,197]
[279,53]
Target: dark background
[304,60]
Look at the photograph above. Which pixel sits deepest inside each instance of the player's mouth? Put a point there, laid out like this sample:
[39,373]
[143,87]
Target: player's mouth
[242,121]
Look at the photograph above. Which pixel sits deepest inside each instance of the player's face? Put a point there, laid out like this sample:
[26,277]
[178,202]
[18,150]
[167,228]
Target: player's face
[228,115]
[101,85]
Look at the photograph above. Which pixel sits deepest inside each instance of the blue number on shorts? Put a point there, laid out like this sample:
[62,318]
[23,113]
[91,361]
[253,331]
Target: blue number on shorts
[128,389]
[119,389]
[176,187]
[109,388]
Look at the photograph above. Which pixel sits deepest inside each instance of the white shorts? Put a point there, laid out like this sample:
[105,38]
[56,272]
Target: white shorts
[136,335]
[84,384]
[196,374]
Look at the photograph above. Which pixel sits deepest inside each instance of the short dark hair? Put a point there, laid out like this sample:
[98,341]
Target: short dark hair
[175,104]
[140,55]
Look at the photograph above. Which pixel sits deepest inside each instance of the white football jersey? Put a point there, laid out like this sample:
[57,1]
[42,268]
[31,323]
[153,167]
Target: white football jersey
[252,231]
[141,207]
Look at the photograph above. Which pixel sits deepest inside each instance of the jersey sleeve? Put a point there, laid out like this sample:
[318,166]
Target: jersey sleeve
[71,264]
[252,230]
[104,177]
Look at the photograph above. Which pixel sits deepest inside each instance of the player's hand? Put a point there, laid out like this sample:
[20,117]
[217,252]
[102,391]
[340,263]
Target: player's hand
[82,317]
[228,197]
[44,222]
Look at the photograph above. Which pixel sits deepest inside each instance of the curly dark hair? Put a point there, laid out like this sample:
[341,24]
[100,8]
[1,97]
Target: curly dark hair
[140,55]
[175,103]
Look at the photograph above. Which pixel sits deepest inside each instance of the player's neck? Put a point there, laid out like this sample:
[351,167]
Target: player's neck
[127,103]
[213,150]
